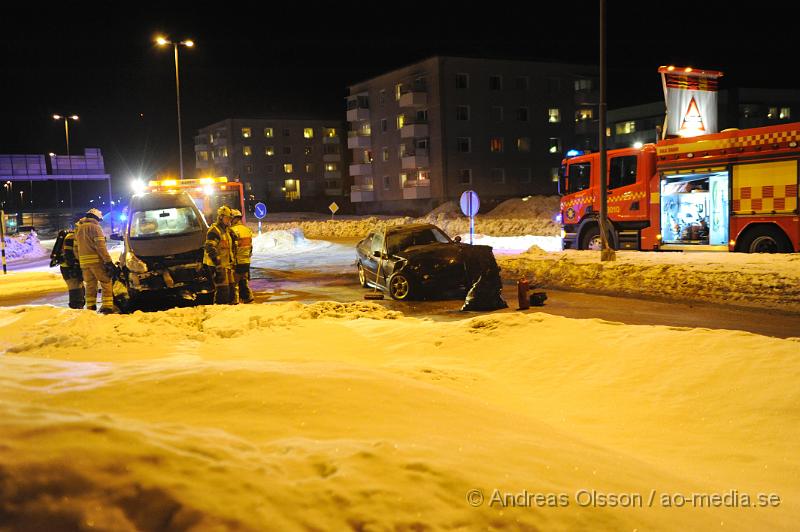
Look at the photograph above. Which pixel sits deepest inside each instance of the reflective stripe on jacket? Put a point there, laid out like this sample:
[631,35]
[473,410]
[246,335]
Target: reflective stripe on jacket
[68,257]
[218,249]
[244,243]
[91,242]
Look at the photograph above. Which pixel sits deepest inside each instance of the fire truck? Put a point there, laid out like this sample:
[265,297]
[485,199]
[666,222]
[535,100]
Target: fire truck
[208,193]
[731,191]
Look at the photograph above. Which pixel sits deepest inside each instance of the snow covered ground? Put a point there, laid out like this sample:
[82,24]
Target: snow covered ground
[349,416]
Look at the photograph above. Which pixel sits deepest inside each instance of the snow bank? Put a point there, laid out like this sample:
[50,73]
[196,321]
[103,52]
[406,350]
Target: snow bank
[534,215]
[769,281]
[18,286]
[348,416]
[24,245]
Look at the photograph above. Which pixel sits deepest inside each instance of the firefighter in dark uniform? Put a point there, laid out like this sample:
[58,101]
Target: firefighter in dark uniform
[219,255]
[71,272]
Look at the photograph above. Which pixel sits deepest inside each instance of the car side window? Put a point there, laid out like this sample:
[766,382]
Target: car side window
[377,242]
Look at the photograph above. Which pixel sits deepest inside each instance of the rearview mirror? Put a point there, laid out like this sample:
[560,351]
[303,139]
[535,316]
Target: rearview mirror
[457,239]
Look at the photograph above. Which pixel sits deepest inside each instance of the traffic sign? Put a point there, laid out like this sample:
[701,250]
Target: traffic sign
[470,204]
[333,207]
[260,210]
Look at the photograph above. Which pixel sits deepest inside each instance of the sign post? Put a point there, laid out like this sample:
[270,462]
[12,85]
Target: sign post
[470,204]
[3,238]
[333,207]
[260,211]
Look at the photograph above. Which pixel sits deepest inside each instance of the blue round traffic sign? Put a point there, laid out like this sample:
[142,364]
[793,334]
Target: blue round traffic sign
[260,210]
[470,204]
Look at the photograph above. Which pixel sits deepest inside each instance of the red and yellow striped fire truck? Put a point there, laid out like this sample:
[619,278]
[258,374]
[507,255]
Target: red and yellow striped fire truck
[731,191]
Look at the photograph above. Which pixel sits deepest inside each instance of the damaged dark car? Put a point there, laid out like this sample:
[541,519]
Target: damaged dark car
[163,252]
[419,261]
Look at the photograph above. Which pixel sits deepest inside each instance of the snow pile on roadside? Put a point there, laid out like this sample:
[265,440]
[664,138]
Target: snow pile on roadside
[290,250]
[16,286]
[768,281]
[335,416]
[513,245]
[514,217]
[290,240]
[24,245]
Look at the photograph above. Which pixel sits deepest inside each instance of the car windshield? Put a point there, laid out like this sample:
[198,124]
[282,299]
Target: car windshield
[164,222]
[399,241]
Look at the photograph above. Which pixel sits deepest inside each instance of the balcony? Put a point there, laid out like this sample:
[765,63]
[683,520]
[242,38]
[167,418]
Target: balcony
[418,189]
[361,169]
[414,98]
[356,140]
[358,114]
[331,140]
[416,159]
[201,147]
[361,193]
[414,130]
[331,157]
[332,174]
[333,191]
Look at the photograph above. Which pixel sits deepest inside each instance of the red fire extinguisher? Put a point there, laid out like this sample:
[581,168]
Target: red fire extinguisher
[522,294]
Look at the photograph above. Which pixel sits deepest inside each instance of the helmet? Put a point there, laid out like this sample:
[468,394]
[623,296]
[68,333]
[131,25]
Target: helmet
[95,213]
[236,213]
[223,211]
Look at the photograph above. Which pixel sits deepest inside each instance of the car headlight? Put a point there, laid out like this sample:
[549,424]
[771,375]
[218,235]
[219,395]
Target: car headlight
[134,264]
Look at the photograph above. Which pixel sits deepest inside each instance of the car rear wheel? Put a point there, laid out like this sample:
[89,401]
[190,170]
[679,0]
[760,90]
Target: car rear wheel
[362,276]
[400,287]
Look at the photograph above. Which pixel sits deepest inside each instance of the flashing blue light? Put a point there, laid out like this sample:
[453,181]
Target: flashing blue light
[558,218]
[123,217]
[574,153]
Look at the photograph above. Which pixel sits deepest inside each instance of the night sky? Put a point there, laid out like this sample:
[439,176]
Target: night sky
[248,62]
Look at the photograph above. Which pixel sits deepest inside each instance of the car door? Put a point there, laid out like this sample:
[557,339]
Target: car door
[370,261]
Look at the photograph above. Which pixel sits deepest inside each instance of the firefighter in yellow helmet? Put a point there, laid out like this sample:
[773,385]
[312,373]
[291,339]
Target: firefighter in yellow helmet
[218,254]
[95,261]
[65,255]
[244,250]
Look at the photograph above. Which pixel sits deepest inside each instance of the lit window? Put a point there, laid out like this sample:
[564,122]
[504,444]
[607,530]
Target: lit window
[330,132]
[465,176]
[287,168]
[401,120]
[583,85]
[223,152]
[496,144]
[772,113]
[497,175]
[462,112]
[422,175]
[625,128]
[583,114]
[555,145]
[268,132]
[308,133]
[524,144]
[385,154]
[269,151]
[462,81]
[247,151]
[309,168]
[330,167]
[307,150]
[202,156]
[247,133]
[398,89]
[554,116]
[401,150]
[786,112]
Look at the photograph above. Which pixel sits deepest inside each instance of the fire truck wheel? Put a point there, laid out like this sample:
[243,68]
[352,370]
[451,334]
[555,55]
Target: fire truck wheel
[765,239]
[591,239]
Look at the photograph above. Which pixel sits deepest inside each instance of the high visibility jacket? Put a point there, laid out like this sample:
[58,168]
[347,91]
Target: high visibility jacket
[218,249]
[244,243]
[91,242]
[69,259]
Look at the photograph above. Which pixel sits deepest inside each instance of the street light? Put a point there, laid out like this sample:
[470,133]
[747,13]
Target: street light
[66,120]
[163,41]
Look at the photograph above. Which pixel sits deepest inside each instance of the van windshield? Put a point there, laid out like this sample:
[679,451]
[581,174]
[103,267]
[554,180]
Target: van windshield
[157,223]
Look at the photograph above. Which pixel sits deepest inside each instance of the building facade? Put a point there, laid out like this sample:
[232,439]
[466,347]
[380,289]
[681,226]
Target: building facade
[424,134]
[292,164]
[738,108]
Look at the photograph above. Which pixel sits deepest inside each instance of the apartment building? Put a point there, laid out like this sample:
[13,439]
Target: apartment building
[739,108]
[423,134]
[292,164]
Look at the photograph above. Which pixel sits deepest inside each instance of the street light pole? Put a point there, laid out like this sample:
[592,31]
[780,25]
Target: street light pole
[69,159]
[162,41]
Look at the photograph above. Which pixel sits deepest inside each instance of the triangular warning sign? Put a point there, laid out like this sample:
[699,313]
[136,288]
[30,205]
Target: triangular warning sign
[692,121]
